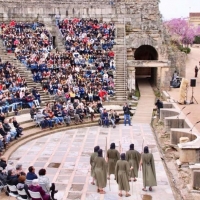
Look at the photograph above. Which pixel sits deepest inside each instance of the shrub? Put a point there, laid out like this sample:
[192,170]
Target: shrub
[197,40]
[185,49]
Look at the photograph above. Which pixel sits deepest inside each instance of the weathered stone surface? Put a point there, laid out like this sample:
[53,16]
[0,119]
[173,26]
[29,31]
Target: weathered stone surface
[184,140]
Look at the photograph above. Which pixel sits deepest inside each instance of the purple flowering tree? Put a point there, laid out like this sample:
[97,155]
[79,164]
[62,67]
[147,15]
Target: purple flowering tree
[181,31]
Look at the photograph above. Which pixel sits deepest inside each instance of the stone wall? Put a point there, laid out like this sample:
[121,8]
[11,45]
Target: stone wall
[142,18]
[178,62]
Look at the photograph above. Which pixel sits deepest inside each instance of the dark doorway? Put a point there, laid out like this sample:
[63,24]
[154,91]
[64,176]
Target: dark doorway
[146,52]
[147,72]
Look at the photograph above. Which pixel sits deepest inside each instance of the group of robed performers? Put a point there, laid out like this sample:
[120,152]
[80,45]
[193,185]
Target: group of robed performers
[124,167]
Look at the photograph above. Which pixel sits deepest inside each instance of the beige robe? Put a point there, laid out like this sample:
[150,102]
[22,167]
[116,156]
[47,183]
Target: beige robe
[100,172]
[92,157]
[113,156]
[148,170]
[133,158]
[122,171]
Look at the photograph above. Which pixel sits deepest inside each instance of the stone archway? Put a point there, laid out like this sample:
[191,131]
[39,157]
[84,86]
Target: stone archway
[146,52]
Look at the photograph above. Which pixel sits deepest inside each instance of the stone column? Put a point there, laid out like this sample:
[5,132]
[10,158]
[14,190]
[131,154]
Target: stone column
[131,79]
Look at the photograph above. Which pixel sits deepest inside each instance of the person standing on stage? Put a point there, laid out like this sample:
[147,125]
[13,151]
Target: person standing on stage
[133,158]
[100,172]
[92,157]
[148,169]
[122,171]
[196,71]
[112,157]
[127,113]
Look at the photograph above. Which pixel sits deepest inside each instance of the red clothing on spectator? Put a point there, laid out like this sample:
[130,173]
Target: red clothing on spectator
[16,42]
[12,23]
[111,54]
[3,26]
[102,93]
[40,190]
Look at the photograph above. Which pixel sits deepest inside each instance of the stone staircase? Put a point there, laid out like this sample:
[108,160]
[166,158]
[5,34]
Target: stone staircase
[24,73]
[120,59]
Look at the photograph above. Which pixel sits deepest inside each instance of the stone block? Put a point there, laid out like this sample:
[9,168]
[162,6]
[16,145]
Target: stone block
[176,134]
[195,179]
[188,155]
[184,139]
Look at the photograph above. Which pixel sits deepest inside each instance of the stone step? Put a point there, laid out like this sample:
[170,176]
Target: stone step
[121,98]
[120,89]
[44,98]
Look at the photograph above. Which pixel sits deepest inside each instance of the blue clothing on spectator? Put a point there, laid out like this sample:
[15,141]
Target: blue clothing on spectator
[31,176]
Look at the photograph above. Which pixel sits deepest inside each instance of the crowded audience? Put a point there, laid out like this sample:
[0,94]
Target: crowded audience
[29,182]
[85,71]
[80,79]
[14,94]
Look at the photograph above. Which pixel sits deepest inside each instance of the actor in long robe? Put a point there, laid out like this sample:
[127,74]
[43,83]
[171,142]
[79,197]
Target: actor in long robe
[133,158]
[100,172]
[112,157]
[122,173]
[148,169]
[92,157]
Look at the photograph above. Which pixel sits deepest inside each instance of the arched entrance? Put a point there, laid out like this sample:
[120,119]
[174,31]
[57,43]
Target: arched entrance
[144,53]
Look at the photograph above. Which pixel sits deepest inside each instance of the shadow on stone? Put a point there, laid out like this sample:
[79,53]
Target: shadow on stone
[74,195]
[76,187]
[54,165]
[146,197]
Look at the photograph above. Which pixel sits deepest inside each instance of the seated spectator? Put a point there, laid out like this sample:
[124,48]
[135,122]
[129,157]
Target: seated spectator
[112,117]
[19,169]
[3,177]
[91,112]
[117,118]
[6,136]
[105,118]
[31,173]
[12,178]
[33,111]
[66,116]
[17,126]
[13,128]
[2,117]
[22,185]
[8,130]
[29,100]
[103,95]
[3,163]
[43,179]
[79,112]
[53,118]
[46,121]
[35,187]
[99,107]
[1,143]
[58,114]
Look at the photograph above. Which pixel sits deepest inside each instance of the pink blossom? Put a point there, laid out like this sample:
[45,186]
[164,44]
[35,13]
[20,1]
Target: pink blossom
[181,31]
